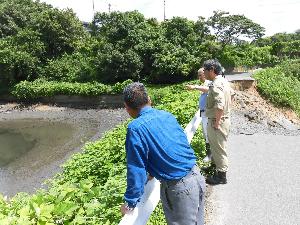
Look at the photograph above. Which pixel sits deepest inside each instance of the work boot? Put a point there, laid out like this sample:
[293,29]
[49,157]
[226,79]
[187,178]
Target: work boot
[218,178]
[209,169]
[208,153]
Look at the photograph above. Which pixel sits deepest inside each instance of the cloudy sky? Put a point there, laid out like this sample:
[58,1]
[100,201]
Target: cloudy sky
[275,15]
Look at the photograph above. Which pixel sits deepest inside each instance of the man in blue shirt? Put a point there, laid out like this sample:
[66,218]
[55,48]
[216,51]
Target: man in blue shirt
[157,145]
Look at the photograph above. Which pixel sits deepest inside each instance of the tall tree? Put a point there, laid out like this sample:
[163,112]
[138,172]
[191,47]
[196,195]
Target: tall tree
[32,33]
[230,29]
[59,30]
[179,31]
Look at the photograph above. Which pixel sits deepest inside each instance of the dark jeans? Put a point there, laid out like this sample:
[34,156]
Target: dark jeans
[183,200]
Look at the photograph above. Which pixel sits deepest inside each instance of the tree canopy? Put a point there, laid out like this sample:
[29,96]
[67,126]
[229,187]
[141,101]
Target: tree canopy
[229,29]
[39,41]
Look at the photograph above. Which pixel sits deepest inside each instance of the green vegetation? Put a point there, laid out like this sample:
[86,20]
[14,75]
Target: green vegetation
[281,84]
[41,88]
[31,33]
[46,51]
[38,41]
[90,189]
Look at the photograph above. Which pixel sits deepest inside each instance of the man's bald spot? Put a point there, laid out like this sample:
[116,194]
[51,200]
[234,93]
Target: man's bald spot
[201,70]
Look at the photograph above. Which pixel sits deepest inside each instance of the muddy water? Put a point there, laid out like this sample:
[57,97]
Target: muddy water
[19,138]
[27,146]
[35,141]
[13,145]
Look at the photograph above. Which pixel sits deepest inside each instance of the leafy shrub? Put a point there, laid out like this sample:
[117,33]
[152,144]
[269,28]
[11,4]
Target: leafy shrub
[16,64]
[112,64]
[69,68]
[286,49]
[173,65]
[291,68]
[41,88]
[279,86]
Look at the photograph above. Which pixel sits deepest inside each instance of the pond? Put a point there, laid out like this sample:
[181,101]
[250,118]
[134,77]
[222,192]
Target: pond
[35,141]
[27,146]
[13,145]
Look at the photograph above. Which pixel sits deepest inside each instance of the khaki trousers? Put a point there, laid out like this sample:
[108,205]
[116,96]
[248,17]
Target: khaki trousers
[218,141]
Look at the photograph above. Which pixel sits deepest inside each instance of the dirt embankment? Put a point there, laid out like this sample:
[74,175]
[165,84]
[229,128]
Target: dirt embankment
[251,113]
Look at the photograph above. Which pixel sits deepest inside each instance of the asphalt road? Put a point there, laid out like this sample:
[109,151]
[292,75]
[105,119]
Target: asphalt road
[239,76]
[263,182]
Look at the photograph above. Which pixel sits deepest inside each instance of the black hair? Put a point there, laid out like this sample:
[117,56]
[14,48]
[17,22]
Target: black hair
[135,95]
[213,64]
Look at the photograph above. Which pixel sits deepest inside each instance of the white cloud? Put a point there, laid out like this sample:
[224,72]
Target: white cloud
[275,15]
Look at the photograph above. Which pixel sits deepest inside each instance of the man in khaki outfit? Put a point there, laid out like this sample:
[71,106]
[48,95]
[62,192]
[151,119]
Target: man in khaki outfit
[218,111]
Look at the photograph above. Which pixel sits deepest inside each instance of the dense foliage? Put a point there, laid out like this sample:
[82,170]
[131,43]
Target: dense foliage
[41,88]
[32,33]
[230,28]
[281,84]
[39,41]
[90,189]
[283,45]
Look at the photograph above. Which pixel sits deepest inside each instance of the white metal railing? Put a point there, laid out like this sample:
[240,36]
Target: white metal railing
[151,196]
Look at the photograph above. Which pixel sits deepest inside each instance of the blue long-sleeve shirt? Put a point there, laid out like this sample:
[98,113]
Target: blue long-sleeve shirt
[155,143]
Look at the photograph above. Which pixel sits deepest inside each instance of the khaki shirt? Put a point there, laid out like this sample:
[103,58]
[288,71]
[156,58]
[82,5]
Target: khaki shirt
[219,97]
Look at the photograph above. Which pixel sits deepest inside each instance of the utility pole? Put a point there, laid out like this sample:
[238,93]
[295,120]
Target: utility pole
[93,7]
[109,5]
[164,10]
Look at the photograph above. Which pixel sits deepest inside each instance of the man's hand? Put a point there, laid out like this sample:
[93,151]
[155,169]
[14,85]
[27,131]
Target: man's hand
[125,210]
[149,177]
[216,124]
[190,86]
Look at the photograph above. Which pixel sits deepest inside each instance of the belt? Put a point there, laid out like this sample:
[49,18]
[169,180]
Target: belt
[223,117]
[192,172]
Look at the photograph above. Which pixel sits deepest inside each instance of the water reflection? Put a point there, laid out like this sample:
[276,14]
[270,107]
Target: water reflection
[29,149]
[13,145]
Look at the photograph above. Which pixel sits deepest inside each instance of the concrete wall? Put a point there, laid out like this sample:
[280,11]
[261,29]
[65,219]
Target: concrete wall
[103,101]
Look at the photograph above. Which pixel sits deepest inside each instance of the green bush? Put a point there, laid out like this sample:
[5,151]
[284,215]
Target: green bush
[291,68]
[279,86]
[41,88]
[173,65]
[112,64]
[286,49]
[69,68]
[16,64]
